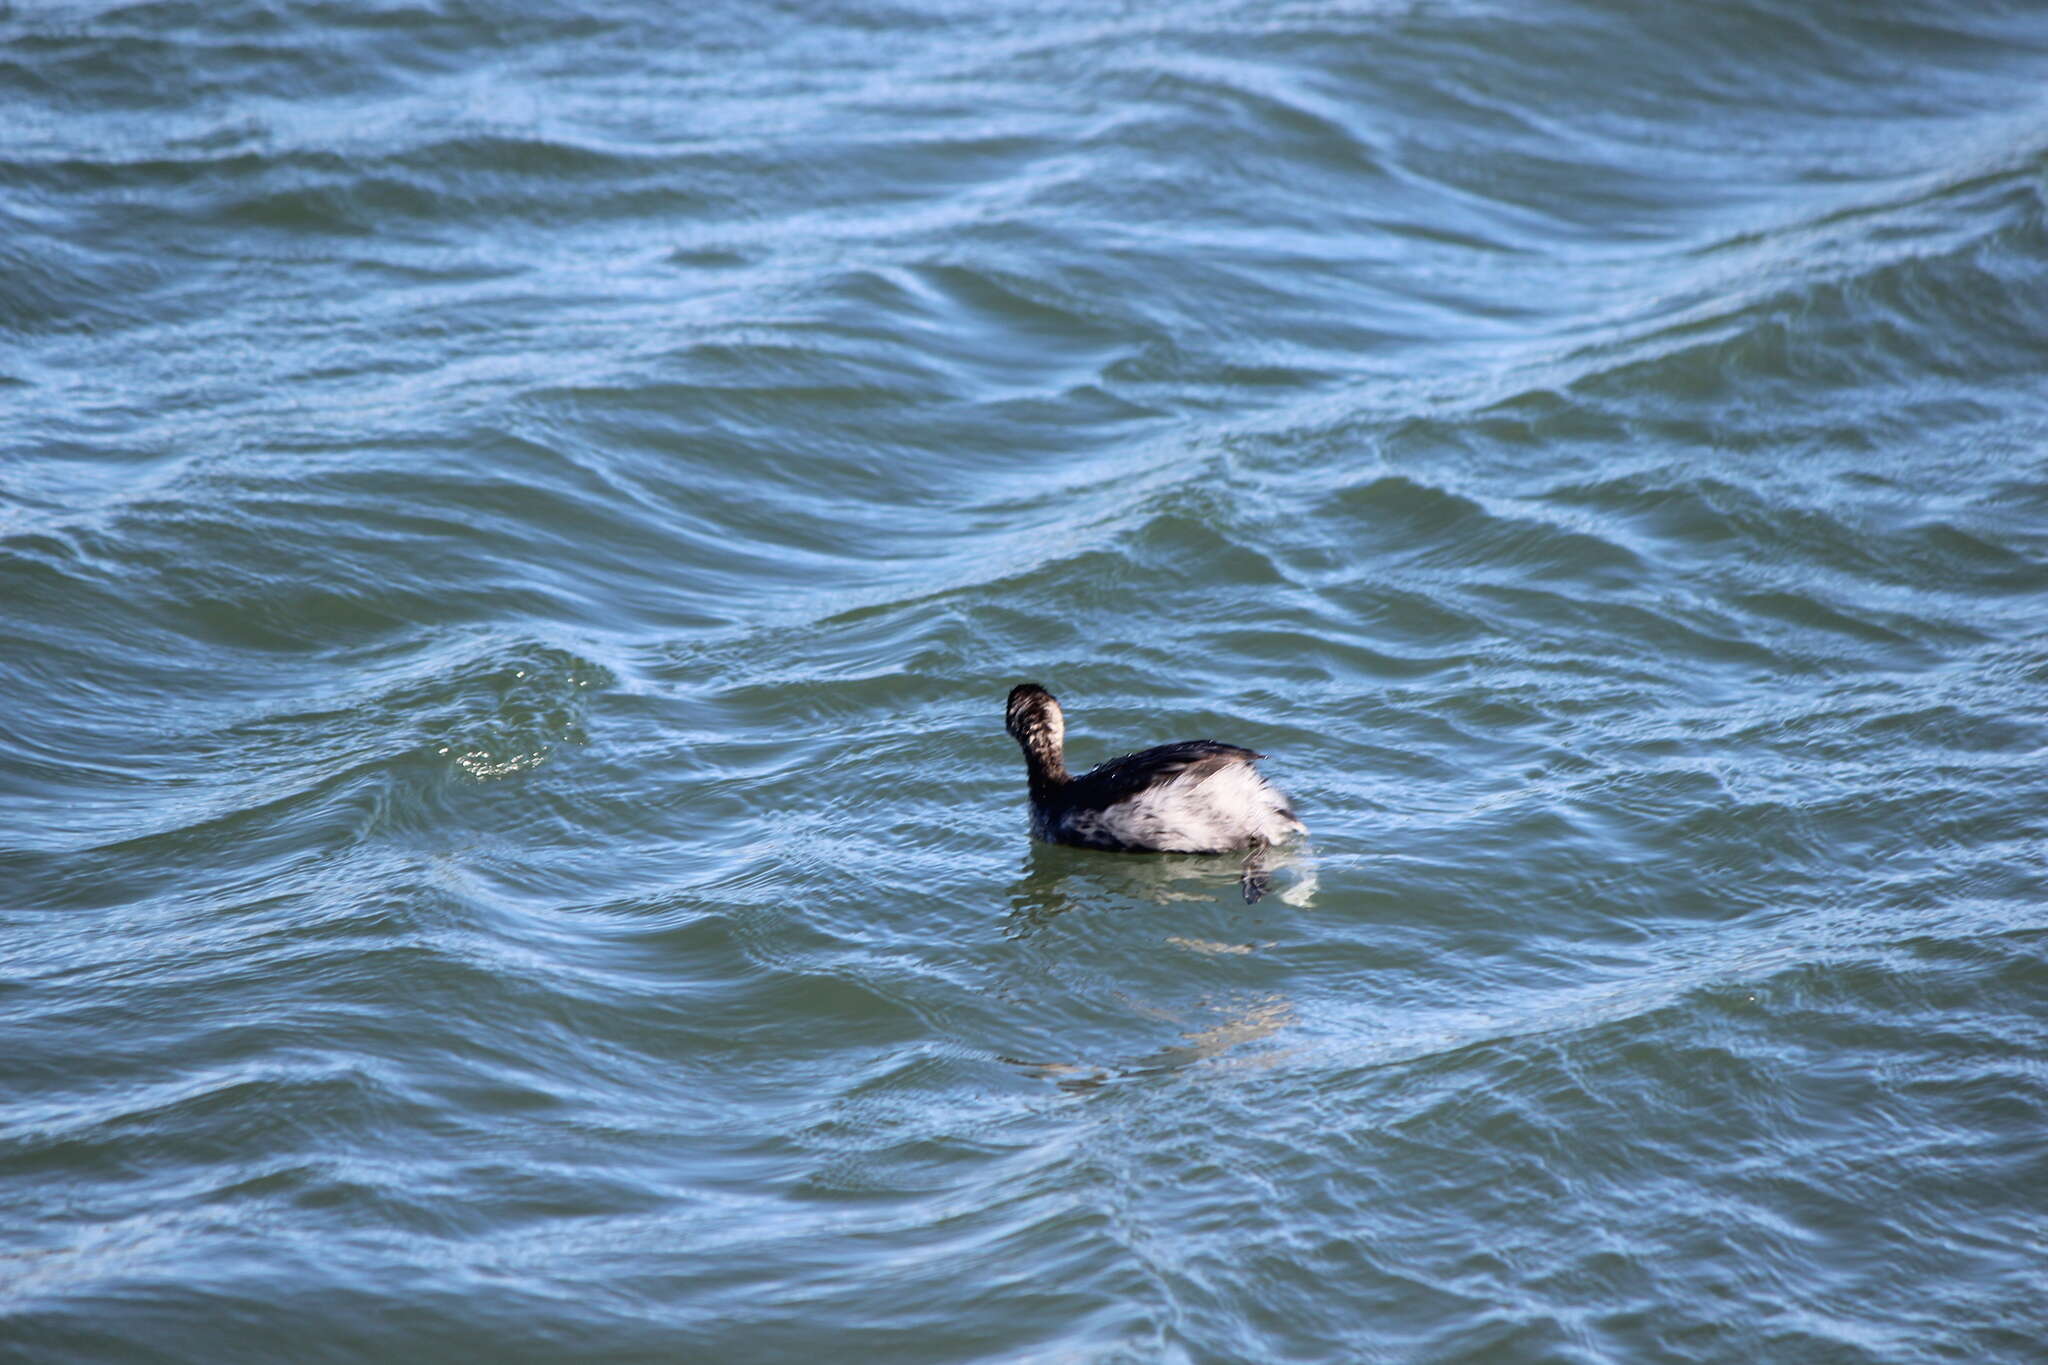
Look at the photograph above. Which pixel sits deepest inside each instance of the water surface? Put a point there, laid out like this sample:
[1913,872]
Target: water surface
[516,526]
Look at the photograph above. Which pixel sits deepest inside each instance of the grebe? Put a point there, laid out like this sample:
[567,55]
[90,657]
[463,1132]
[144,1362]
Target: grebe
[1197,796]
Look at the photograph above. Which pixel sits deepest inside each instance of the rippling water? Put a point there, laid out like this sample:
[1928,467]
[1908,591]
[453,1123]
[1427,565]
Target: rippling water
[516,525]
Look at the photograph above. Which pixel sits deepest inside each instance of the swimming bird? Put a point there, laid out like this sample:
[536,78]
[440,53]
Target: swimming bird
[1197,796]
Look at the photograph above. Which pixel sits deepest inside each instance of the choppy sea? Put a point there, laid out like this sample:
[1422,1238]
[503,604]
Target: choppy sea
[517,522]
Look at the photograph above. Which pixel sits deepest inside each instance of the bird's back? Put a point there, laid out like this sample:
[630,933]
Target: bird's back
[1197,796]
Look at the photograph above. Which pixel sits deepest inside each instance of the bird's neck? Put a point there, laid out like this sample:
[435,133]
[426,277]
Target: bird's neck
[1044,762]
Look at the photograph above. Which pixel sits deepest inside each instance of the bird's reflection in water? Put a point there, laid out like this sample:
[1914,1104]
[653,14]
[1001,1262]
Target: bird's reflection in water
[1254,1020]
[1055,880]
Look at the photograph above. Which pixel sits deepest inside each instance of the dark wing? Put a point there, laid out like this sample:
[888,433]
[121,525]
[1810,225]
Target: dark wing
[1111,782]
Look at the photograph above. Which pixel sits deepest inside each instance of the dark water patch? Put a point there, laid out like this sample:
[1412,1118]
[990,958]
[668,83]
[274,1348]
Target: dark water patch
[1946,726]
[1745,531]
[368,200]
[741,382]
[92,70]
[1646,635]
[56,286]
[1891,308]
[1263,122]
[158,56]
[711,257]
[1803,613]
[1425,528]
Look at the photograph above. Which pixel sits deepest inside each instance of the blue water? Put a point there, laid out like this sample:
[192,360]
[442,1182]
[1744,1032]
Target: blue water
[516,526]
